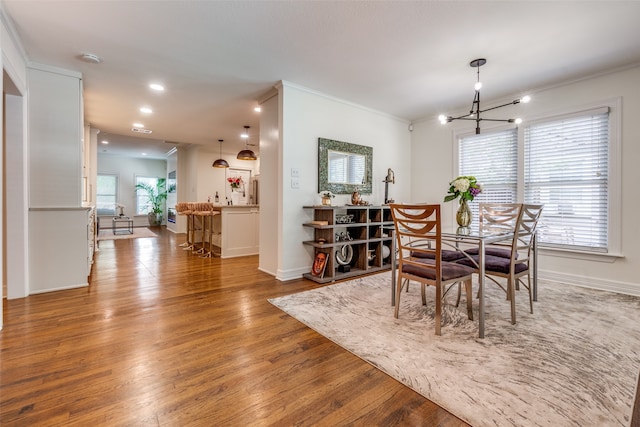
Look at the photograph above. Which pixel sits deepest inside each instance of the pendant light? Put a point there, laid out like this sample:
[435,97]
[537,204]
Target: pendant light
[246,154]
[220,163]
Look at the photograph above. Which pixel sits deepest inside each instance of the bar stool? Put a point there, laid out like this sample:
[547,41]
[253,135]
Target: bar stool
[200,214]
[208,214]
[183,209]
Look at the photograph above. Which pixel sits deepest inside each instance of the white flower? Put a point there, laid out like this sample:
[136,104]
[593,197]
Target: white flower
[461,184]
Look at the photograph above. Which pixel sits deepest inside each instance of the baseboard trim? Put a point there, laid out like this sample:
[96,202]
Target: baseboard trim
[590,282]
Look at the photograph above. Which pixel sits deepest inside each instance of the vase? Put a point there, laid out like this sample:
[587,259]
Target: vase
[326,201]
[235,198]
[463,216]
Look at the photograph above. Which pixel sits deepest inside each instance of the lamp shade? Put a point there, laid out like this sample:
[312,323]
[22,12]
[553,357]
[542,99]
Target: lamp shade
[220,163]
[246,154]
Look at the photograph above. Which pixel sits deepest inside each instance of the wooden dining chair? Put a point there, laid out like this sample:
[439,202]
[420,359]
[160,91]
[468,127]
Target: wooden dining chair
[518,264]
[418,234]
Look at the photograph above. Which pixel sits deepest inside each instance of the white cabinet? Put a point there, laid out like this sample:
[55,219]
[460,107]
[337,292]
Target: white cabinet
[56,136]
[60,229]
[60,253]
[236,230]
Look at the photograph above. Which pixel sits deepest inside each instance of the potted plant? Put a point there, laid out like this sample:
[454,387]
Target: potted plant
[326,197]
[156,196]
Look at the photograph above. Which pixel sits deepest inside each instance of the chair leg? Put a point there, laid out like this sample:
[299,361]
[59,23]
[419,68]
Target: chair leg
[438,309]
[459,293]
[512,297]
[467,285]
[424,294]
[398,293]
[530,295]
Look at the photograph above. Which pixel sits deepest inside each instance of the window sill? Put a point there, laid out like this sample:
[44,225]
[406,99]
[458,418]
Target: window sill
[583,255]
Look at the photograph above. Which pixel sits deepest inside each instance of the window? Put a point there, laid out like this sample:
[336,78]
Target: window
[491,158]
[143,205]
[561,162]
[567,170]
[106,194]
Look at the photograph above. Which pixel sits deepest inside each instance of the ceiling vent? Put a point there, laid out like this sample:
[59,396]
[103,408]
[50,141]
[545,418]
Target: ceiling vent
[138,130]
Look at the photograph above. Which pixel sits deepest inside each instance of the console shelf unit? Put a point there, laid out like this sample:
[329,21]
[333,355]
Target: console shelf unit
[368,230]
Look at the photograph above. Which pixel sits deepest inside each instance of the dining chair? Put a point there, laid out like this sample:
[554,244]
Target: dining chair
[518,264]
[497,217]
[419,233]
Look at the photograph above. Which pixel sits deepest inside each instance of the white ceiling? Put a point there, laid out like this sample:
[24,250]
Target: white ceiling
[406,58]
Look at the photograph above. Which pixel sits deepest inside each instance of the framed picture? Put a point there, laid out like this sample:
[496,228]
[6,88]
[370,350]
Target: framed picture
[319,264]
[238,181]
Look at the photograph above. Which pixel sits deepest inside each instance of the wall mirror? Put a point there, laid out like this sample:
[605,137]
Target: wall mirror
[344,167]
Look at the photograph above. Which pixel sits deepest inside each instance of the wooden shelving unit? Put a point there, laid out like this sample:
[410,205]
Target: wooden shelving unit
[367,230]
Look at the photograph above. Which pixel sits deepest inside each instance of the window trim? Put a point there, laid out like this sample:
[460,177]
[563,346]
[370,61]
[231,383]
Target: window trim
[614,226]
[135,183]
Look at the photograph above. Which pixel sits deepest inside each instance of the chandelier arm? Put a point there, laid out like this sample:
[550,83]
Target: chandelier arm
[517,101]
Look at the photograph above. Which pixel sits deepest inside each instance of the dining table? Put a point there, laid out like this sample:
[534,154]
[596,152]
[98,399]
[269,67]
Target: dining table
[461,238]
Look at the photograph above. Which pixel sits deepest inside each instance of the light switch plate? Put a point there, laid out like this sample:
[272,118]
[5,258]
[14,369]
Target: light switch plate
[295,183]
[295,173]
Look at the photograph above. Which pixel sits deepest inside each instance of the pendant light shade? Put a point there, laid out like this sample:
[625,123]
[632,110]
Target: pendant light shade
[220,163]
[246,154]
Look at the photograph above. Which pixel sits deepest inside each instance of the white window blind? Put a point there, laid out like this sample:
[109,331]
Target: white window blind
[106,194]
[566,170]
[346,168]
[492,159]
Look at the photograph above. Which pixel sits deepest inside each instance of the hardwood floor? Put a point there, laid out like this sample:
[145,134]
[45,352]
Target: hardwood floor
[162,337]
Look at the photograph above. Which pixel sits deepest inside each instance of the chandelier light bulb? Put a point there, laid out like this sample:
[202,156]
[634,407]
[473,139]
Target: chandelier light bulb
[443,119]
[525,99]
[478,86]
[518,121]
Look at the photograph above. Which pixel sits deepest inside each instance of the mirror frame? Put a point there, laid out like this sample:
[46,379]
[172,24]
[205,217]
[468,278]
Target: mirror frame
[324,145]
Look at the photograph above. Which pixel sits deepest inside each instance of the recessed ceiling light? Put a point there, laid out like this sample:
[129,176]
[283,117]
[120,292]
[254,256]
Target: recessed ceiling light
[144,154]
[138,125]
[156,86]
[257,109]
[146,110]
[104,141]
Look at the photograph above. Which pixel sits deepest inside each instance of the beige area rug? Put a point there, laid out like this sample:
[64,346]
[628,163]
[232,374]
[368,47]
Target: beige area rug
[574,362]
[107,233]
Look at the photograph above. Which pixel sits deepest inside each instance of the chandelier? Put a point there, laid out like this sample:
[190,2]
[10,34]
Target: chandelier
[474,113]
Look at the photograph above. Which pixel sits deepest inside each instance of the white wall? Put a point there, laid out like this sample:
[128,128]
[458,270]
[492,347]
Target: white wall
[306,116]
[210,179]
[126,169]
[270,175]
[434,141]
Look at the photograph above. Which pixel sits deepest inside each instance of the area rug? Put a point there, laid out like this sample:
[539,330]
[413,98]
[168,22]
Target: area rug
[574,362]
[107,234]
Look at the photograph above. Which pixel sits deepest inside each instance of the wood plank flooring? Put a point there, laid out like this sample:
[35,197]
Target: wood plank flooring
[162,337]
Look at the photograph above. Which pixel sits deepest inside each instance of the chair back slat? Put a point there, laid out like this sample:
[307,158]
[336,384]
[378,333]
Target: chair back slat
[525,231]
[499,216]
[418,234]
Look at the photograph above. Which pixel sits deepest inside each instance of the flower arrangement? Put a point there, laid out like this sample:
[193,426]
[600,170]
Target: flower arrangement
[235,182]
[327,195]
[465,187]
